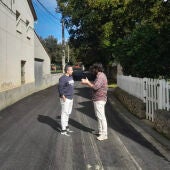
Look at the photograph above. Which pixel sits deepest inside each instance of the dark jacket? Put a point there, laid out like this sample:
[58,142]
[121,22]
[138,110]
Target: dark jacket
[66,86]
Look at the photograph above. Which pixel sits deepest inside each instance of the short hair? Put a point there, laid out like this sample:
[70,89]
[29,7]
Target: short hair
[66,68]
[98,67]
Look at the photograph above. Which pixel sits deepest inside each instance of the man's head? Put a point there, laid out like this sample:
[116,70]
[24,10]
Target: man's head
[68,70]
[97,67]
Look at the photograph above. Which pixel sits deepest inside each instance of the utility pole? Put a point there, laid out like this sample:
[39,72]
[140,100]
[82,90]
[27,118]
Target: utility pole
[63,46]
[68,59]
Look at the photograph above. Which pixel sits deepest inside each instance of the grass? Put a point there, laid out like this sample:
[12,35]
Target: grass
[57,71]
[112,85]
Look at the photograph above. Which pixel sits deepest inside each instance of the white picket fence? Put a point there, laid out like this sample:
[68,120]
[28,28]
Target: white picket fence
[155,93]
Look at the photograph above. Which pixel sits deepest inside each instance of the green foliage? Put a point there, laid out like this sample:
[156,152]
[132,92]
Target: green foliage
[85,22]
[145,52]
[54,49]
[134,32]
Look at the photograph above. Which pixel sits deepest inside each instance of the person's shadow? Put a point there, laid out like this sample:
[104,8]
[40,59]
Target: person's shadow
[49,121]
[78,125]
[56,126]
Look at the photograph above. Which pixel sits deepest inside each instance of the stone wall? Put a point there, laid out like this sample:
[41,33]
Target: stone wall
[162,122]
[133,104]
[137,107]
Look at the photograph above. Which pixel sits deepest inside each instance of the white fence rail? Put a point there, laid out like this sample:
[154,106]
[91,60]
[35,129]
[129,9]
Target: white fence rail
[155,93]
[132,85]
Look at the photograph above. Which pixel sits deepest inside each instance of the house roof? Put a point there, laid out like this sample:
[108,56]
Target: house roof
[32,9]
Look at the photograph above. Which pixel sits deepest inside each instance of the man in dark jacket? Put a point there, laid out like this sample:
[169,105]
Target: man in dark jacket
[65,88]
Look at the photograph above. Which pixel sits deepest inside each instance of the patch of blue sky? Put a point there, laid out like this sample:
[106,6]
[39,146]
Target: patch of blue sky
[49,22]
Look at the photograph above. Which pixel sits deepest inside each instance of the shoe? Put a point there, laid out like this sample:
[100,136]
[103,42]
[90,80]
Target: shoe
[68,130]
[64,132]
[95,132]
[102,137]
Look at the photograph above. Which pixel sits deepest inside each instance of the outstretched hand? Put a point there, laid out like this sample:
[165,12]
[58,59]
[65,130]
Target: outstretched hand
[85,81]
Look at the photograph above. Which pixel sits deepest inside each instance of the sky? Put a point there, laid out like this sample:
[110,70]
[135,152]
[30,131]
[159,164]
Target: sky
[48,23]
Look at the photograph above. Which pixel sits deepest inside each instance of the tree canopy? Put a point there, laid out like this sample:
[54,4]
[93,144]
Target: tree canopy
[134,33]
[54,49]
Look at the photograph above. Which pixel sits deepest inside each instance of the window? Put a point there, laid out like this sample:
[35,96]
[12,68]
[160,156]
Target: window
[28,30]
[27,23]
[17,15]
[18,22]
[23,72]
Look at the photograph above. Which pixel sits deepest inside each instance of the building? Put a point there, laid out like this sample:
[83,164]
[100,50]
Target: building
[24,63]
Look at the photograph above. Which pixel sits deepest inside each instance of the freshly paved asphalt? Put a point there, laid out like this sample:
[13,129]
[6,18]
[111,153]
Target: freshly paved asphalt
[30,137]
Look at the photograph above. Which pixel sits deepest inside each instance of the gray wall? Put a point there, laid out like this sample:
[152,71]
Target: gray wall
[11,96]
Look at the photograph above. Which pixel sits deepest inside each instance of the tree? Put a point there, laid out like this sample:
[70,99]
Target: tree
[130,30]
[53,48]
[144,51]
[83,21]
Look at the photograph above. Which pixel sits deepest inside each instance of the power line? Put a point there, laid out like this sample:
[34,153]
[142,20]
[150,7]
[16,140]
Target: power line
[44,11]
[43,15]
[47,10]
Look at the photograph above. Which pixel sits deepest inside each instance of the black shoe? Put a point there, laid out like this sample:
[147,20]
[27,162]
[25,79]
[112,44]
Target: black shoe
[68,129]
[64,132]
[95,132]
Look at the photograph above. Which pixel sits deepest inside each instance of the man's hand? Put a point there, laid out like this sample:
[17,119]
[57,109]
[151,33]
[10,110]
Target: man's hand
[64,98]
[85,81]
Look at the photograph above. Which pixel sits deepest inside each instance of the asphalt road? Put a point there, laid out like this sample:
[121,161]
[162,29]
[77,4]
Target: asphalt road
[30,137]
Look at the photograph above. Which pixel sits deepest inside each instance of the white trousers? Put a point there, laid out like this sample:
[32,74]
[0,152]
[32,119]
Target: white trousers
[99,108]
[66,109]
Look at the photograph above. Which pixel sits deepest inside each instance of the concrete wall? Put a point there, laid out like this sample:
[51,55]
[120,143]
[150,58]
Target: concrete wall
[8,79]
[119,70]
[16,43]
[11,96]
[25,40]
[40,53]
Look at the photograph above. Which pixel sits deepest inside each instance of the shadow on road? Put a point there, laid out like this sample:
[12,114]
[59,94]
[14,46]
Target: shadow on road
[114,121]
[78,125]
[86,95]
[49,121]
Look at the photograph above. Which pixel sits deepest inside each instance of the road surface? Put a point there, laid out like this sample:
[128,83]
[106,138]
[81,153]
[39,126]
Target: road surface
[30,137]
